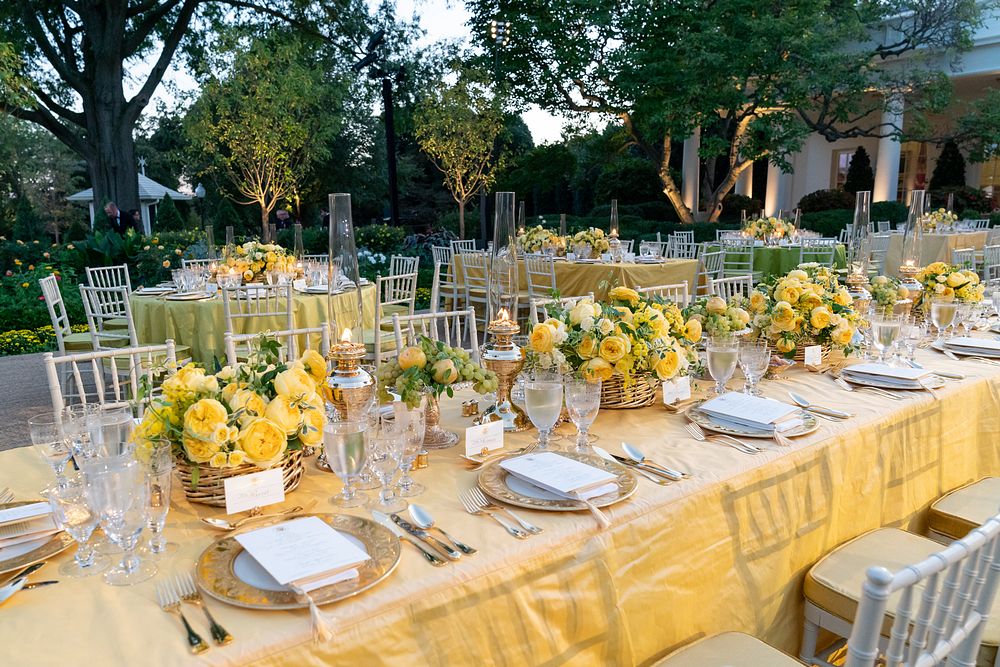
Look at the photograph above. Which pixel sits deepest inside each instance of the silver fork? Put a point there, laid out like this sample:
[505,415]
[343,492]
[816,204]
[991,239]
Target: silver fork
[170,602]
[846,386]
[486,503]
[190,594]
[472,507]
[6,495]
[698,434]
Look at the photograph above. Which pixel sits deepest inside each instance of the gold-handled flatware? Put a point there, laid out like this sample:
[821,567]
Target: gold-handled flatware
[190,594]
[226,524]
[170,602]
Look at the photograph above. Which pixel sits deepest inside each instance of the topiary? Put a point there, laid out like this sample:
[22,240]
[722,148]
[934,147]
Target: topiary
[860,176]
[825,200]
[168,218]
[949,170]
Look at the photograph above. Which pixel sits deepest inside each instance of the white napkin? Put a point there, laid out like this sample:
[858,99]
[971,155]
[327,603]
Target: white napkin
[970,343]
[902,377]
[764,414]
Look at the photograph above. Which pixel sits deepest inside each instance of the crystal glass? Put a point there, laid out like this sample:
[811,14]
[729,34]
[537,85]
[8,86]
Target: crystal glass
[72,510]
[76,427]
[109,432]
[158,466]
[344,444]
[943,311]
[543,400]
[413,422]
[116,488]
[885,331]
[753,359]
[995,297]
[51,444]
[964,315]
[583,402]
[722,354]
[384,444]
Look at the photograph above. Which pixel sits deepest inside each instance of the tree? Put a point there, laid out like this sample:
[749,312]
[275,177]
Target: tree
[263,126]
[860,176]
[755,77]
[77,57]
[457,126]
[949,171]
[978,131]
[168,218]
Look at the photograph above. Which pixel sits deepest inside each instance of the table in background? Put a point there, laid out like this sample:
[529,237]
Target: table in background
[779,260]
[724,550]
[202,324]
[935,248]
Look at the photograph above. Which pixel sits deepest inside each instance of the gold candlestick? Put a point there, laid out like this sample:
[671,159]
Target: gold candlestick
[505,359]
[349,388]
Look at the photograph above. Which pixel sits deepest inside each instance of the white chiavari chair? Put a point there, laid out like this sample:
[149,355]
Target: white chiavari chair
[683,249]
[964,258]
[292,341]
[463,246]
[991,262]
[444,285]
[397,295]
[880,248]
[727,288]
[257,308]
[538,308]
[456,328]
[738,258]
[401,264]
[197,263]
[66,339]
[676,292]
[322,258]
[109,276]
[845,233]
[541,273]
[993,236]
[883,226]
[475,277]
[627,244]
[819,251]
[106,308]
[709,269]
[683,237]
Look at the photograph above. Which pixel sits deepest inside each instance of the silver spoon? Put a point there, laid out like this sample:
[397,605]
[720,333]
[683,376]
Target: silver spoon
[819,410]
[633,453]
[425,521]
[224,524]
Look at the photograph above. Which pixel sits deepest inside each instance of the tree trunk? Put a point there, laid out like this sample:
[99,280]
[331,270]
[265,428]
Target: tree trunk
[461,219]
[264,229]
[670,187]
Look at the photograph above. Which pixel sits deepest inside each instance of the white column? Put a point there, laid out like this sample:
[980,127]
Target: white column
[777,190]
[887,162]
[691,170]
[744,184]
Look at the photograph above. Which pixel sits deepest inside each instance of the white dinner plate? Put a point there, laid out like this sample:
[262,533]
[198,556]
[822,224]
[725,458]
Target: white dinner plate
[189,296]
[966,351]
[933,382]
[705,420]
[152,291]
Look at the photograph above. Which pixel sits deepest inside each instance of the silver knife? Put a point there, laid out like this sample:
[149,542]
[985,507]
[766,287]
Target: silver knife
[39,584]
[23,574]
[829,412]
[672,475]
[944,374]
[421,534]
[431,557]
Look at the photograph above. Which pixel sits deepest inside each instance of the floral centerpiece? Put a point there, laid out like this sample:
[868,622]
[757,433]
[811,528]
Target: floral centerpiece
[717,317]
[589,243]
[886,291]
[805,307]
[539,239]
[947,280]
[768,228]
[939,218]
[245,418]
[630,336]
[253,258]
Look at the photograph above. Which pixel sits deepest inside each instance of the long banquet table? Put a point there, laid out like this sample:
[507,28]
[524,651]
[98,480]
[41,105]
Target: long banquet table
[779,260]
[934,248]
[724,550]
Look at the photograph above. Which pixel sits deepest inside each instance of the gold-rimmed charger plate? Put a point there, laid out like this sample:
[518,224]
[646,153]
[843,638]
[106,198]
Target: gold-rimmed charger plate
[53,545]
[986,353]
[704,420]
[217,576]
[493,481]
[933,382]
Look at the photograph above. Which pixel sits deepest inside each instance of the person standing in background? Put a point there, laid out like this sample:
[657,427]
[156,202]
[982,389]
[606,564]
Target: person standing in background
[117,221]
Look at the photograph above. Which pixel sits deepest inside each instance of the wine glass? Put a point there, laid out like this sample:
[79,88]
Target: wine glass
[722,354]
[158,469]
[543,399]
[50,442]
[413,422]
[344,445]
[753,359]
[583,402]
[71,509]
[910,334]
[943,310]
[963,316]
[885,331]
[116,488]
[995,298]
[384,444]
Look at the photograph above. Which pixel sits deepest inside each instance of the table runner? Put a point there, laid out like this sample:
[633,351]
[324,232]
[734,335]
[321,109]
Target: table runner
[725,550]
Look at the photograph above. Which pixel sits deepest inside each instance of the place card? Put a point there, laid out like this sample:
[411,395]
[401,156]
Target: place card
[813,355]
[483,438]
[305,553]
[675,391]
[258,489]
[560,475]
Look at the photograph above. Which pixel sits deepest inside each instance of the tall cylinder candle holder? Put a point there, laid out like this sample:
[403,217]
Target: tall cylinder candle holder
[913,240]
[502,356]
[859,252]
[614,244]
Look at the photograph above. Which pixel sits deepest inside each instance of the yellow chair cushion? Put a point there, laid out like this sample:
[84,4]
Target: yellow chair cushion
[117,324]
[78,342]
[388,340]
[965,508]
[834,583]
[395,309]
[730,649]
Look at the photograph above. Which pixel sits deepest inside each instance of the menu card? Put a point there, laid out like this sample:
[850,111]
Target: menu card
[560,475]
[24,512]
[305,553]
[752,411]
[976,343]
[903,377]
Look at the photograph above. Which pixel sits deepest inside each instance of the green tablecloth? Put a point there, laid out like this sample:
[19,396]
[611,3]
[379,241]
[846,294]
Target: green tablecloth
[776,260]
[201,325]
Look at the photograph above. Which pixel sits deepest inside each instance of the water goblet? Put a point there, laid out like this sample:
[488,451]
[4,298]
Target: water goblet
[943,311]
[159,466]
[72,510]
[50,442]
[413,422]
[543,400]
[995,298]
[754,358]
[722,352]
[964,313]
[885,331]
[910,335]
[384,443]
[116,488]
[583,402]
[344,445]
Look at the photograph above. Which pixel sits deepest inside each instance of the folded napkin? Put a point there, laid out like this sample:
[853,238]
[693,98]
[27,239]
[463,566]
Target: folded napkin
[560,475]
[902,377]
[764,414]
[970,343]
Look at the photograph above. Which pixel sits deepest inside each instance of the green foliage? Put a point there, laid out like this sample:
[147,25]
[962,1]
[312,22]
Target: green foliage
[630,181]
[226,215]
[860,176]
[893,211]
[27,225]
[966,199]
[949,170]
[733,205]
[829,222]
[21,302]
[168,218]
[381,239]
[824,200]
[978,131]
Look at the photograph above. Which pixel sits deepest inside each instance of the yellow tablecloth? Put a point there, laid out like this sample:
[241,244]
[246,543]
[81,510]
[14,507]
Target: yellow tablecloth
[201,324]
[724,550]
[936,248]
[576,279]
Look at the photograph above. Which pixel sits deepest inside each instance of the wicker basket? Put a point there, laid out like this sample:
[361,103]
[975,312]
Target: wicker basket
[639,394]
[211,481]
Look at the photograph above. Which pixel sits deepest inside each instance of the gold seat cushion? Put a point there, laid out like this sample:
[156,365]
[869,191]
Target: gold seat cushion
[117,324]
[965,508]
[834,583]
[388,340]
[78,342]
[730,649]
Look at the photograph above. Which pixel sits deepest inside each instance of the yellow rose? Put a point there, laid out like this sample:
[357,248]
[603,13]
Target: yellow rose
[187,380]
[956,279]
[972,276]
[784,345]
[580,311]
[237,458]
[218,460]
[798,274]
[542,338]
[692,330]
[203,417]
[936,267]
[252,403]
[820,317]
[624,294]
[741,316]
[597,369]
[810,301]
[199,450]
[263,442]
[948,292]
[613,348]
[842,298]
[311,430]
[315,365]
[284,412]
[782,313]
[790,294]
[587,347]
[667,365]
[625,313]
[294,382]
[757,302]
[842,335]
[248,275]
[229,391]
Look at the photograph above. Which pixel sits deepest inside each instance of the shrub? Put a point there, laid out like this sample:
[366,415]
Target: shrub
[825,200]
[26,341]
[733,205]
[828,223]
[21,303]
[967,200]
[893,211]
[381,238]
[860,176]
[168,218]
[629,180]
[949,170]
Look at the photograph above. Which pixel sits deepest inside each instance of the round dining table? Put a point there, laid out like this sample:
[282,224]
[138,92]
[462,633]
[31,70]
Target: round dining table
[779,260]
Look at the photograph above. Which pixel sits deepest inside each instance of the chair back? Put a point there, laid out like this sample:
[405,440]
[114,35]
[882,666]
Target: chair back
[443,286]
[289,339]
[964,258]
[880,248]
[820,251]
[400,264]
[456,328]
[538,308]
[252,309]
[676,292]
[943,604]
[727,288]
[57,310]
[399,290]
[195,263]
[683,249]
[105,308]
[474,282]
[683,237]
[541,272]
[993,236]
[109,378]
[626,244]
[322,259]
[883,226]
[737,258]
[709,268]
[109,276]
[463,246]
[991,262]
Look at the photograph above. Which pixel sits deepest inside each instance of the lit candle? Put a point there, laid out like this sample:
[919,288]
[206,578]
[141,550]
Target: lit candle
[346,336]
